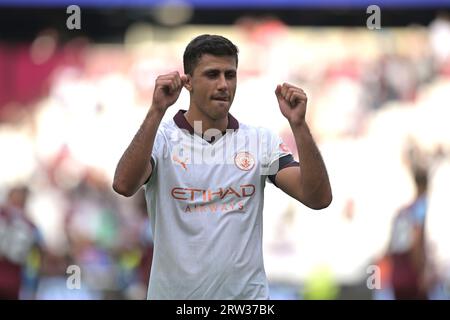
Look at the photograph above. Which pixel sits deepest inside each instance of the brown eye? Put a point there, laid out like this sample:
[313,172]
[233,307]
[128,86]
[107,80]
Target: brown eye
[230,75]
[212,74]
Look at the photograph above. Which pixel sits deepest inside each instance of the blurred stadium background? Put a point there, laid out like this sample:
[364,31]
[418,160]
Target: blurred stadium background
[71,100]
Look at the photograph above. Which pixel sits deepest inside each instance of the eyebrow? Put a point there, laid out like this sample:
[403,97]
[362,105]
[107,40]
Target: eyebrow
[217,70]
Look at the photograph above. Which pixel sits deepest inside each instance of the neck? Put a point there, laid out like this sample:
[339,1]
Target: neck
[194,114]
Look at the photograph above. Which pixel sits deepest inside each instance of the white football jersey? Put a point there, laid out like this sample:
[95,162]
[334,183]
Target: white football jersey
[205,201]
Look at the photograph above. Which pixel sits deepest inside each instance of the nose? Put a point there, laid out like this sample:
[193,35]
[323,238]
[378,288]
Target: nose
[222,84]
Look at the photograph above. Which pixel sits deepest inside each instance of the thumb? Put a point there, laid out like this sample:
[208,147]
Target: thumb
[183,80]
[278,92]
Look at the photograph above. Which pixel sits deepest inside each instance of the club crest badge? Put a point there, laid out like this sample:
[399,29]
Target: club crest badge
[244,161]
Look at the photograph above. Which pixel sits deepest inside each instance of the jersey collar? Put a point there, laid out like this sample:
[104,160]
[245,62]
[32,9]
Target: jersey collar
[182,123]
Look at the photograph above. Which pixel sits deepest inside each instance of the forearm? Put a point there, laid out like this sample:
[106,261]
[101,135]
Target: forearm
[135,162]
[314,183]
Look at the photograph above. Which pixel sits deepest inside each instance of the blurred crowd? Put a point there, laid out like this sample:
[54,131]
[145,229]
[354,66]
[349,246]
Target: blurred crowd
[377,106]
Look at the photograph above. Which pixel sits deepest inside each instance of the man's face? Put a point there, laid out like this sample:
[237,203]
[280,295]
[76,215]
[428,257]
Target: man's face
[213,85]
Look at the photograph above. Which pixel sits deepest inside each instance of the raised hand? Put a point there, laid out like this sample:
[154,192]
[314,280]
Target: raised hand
[167,90]
[292,102]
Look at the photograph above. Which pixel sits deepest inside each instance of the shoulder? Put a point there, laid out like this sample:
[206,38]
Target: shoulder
[167,131]
[166,126]
[261,136]
[255,130]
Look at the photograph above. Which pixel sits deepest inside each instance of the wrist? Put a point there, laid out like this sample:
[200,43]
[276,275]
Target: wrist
[157,112]
[296,124]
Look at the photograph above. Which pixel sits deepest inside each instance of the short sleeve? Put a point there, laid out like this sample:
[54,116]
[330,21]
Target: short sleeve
[279,156]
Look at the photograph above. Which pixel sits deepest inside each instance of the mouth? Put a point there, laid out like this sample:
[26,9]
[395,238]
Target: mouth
[221,98]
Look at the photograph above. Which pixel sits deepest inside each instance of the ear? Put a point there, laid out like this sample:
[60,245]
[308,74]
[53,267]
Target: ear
[188,83]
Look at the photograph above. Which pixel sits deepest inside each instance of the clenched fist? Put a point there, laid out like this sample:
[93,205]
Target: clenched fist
[167,90]
[292,101]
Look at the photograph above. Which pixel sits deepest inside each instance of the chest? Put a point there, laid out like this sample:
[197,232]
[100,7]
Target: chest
[230,161]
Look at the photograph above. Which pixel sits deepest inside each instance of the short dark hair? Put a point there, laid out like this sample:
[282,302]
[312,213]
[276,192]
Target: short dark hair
[207,44]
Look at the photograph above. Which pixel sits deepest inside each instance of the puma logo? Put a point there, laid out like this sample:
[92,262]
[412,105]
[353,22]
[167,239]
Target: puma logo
[178,160]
